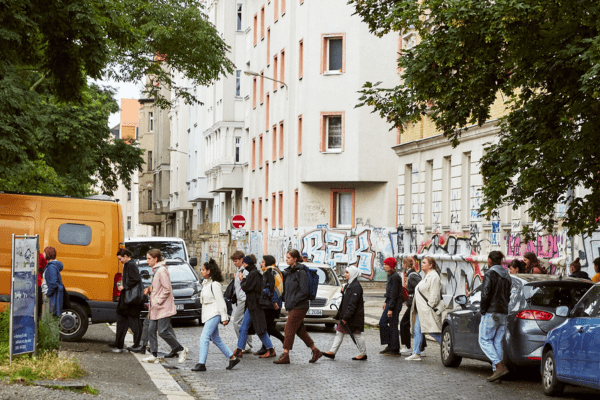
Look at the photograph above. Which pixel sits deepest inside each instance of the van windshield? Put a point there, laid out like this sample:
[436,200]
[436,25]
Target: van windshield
[169,249]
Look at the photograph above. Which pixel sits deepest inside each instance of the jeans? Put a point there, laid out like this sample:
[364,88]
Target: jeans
[361,342]
[388,328]
[165,331]
[491,333]
[236,319]
[264,338]
[419,337]
[211,332]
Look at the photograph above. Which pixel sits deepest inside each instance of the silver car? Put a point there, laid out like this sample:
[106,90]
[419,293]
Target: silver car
[323,308]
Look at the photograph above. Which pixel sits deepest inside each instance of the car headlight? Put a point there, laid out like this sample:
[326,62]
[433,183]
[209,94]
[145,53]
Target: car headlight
[196,295]
[336,301]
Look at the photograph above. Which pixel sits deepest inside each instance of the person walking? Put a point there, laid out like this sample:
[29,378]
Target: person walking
[128,315]
[214,311]
[427,307]
[517,267]
[162,308]
[596,278]
[52,285]
[388,324]
[351,315]
[254,314]
[533,264]
[413,278]
[495,296]
[271,297]
[296,293]
[237,315]
[576,271]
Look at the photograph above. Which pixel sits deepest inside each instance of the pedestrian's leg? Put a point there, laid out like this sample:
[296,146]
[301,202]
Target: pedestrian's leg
[243,330]
[121,331]
[166,332]
[361,342]
[337,341]
[498,341]
[487,330]
[405,329]
[152,331]
[395,336]
[237,318]
[384,329]
[272,326]
[134,324]
[266,341]
[292,324]
[144,339]
[437,337]
[418,336]
[216,339]
[209,327]
[423,343]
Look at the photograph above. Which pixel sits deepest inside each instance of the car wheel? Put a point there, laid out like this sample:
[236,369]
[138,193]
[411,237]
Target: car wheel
[552,386]
[73,323]
[449,359]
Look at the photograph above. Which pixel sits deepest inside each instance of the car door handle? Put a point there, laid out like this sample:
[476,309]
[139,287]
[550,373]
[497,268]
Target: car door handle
[579,328]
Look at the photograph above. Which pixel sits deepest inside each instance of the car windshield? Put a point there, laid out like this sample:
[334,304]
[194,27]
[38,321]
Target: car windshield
[169,249]
[588,305]
[554,295]
[178,272]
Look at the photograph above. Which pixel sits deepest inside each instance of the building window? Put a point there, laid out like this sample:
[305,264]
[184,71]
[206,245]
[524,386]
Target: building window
[282,76]
[239,17]
[129,195]
[128,223]
[274,209]
[333,54]
[267,112]
[254,92]
[275,72]
[253,154]
[262,22]
[301,59]
[252,215]
[275,10]
[342,208]
[299,134]
[267,181]
[281,139]
[332,132]
[260,151]
[238,144]
[262,87]
[260,210]
[150,122]
[137,132]
[296,208]
[268,46]
[255,28]
[282,7]
[149,199]
[280,210]
[274,142]
[150,161]
[238,83]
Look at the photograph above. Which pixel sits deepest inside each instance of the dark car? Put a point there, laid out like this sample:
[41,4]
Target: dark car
[186,288]
[531,315]
[572,350]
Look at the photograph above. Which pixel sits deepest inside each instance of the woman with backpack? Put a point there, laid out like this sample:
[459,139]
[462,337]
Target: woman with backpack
[296,295]
[271,301]
[351,315]
[214,311]
[413,278]
[254,315]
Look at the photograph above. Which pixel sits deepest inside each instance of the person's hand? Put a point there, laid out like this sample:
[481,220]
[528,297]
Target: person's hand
[240,275]
[344,321]
[225,322]
[384,304]
[390,313]
[275,306]
[147,290]
[120,287]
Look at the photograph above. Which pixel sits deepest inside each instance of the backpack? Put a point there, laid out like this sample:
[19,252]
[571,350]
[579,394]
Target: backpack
[313,283]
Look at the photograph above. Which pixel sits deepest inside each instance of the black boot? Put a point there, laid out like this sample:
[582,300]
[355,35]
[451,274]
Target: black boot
[233,363]
[263,350]
[174,352]
[199,367]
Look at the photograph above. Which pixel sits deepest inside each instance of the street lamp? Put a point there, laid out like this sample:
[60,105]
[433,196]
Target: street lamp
[179,151]
[252,73]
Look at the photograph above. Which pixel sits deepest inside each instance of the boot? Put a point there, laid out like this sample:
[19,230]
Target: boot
[174,352]
[316,355]
[262,351]
[237,353]
[284,359]
[269,353]
[500,372]
[233,363]
[199,367]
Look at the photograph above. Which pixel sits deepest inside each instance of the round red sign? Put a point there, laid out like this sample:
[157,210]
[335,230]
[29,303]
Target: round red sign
[238,221]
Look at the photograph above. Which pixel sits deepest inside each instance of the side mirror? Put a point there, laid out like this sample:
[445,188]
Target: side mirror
[193,261]
[461,300]
[562,311]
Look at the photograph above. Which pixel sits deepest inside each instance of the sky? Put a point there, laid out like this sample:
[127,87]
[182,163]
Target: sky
[126,90]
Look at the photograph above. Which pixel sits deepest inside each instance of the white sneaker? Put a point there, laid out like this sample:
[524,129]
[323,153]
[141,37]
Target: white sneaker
[405,351]
[423,354]
[183,355]
[150,359]
[414,357]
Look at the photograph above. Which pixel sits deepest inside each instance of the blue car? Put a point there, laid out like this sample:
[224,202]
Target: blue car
[571,352]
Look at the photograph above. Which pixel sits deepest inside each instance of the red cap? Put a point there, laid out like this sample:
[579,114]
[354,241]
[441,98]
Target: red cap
[390,262]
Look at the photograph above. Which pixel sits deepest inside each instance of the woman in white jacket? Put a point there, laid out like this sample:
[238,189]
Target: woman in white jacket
[214,311]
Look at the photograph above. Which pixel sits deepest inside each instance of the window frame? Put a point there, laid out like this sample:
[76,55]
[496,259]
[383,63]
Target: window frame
[334,204]
[300,134]
[149,199]
[325,38]
[325,131]
[150,121]
[238,83]
[240,17]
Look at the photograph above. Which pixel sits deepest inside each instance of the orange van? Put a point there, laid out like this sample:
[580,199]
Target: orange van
[86,234]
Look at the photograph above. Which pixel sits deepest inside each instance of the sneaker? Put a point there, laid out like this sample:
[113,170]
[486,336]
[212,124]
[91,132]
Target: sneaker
[414,357]
[150,359]
[174,352]
[423,354]
[117,350]
[135,349]
[405,351]
[183,355]
[233,363]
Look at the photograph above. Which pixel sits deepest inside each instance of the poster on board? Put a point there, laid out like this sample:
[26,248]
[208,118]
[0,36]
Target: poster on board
[23,304]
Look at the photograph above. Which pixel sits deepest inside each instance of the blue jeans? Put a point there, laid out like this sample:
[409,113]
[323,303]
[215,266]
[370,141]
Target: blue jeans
[419,336]
[211,332]
[264,338]
[491,334]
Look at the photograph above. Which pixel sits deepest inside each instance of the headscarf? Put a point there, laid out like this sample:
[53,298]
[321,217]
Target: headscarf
[354,273]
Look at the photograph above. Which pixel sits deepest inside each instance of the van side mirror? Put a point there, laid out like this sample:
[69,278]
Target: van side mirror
[461,300]
[193,261]
[562,311]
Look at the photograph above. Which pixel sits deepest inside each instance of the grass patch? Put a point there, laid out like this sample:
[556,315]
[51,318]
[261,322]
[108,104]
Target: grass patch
[86,389]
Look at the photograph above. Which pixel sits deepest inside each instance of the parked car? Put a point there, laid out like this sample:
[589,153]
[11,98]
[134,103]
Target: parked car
[323,308]
[571,353]
[186,288]
[170,247]
[532,314]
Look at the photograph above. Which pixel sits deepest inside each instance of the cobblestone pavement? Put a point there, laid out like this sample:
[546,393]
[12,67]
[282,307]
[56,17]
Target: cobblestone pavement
[379,377]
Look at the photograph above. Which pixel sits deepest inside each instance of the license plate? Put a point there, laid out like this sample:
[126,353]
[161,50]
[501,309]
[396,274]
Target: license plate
[179,306]
[314,312]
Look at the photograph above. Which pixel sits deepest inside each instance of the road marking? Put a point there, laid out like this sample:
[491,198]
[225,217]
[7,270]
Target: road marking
[157,373]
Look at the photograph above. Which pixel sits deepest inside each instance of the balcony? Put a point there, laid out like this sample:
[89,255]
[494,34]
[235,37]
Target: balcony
[225,177]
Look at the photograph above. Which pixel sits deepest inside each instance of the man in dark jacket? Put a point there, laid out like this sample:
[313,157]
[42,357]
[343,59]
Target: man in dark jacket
[495,296]
[388,324]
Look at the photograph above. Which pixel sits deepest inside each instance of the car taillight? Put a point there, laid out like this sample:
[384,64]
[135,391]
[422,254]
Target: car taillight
[535,314]
[116,291]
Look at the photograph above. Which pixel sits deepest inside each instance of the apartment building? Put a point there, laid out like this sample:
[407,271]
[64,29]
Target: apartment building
[147,192]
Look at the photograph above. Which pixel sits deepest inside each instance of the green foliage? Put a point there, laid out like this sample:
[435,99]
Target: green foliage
[54,137]
[542,57]
[48,334]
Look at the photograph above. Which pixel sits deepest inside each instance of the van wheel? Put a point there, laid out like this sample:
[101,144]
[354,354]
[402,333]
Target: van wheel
[73,323]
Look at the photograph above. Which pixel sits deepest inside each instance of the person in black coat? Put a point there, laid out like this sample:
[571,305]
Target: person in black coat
[413,278]
[128,315]
[576,271]
[254,314]
[272,290]
[351,315]
[388,324]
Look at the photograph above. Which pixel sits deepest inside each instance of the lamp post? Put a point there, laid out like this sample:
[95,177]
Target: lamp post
[252,73]
[179,151]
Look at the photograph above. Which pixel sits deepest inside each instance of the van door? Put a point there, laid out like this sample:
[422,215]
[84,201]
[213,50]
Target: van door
[83,249]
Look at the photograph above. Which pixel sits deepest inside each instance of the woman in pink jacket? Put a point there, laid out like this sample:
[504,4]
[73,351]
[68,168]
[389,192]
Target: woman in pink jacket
[162,308]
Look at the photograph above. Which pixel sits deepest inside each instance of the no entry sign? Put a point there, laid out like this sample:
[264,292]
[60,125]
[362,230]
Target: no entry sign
[238,221]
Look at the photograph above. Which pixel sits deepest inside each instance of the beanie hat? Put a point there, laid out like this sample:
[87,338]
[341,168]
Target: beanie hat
[248,260]
[390,262]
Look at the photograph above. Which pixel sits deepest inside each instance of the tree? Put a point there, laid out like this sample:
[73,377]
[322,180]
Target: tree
[53,133]
[541,56]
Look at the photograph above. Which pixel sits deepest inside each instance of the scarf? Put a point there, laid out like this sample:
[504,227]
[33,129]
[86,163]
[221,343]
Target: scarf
[354,273]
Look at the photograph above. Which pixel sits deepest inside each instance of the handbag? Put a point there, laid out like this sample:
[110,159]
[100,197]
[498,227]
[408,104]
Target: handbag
[230,292]
[135,295]
[439,307]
